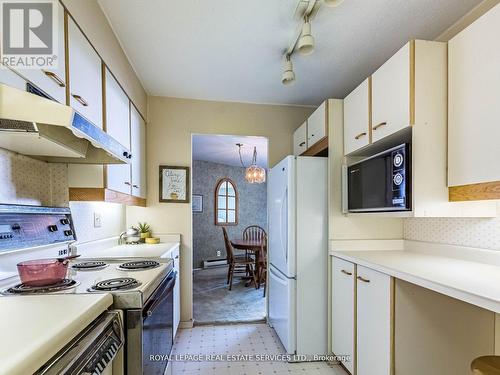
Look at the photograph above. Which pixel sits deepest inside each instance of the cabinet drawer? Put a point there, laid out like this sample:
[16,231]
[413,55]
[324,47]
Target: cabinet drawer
[85,70]
[391,94]
[300,139]
[357,118]
[316,125]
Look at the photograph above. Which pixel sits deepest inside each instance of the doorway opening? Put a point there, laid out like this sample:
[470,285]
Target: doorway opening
[229,226]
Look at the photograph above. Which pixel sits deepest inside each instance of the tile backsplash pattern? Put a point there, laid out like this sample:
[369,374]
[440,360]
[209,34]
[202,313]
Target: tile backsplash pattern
[24,180]
[481,233]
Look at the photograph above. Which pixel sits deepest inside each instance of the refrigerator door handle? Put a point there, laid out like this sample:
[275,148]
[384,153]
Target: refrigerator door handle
[284,221]
[280,279]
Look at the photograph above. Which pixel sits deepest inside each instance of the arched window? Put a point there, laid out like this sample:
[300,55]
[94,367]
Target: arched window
[226,203]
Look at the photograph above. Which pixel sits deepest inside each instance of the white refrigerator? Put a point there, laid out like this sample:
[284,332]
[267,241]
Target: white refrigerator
[298,254]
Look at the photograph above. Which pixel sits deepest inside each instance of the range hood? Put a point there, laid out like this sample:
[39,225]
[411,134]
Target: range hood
[34,125]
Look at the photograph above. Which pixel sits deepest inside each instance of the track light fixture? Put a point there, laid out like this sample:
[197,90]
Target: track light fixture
[288,76]
[333,3]
[306,40]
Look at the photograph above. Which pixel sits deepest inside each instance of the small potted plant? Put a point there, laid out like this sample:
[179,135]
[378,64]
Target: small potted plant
[144,230]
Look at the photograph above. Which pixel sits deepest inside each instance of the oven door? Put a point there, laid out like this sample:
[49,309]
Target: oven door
[158,328]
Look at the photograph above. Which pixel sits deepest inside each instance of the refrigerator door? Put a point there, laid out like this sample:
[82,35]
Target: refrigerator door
[282,308]
[281,193]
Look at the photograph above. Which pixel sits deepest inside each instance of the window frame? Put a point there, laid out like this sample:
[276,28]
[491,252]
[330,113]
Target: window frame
[216,203]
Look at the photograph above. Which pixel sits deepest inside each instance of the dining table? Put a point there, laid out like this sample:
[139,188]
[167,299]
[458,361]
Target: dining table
[254,246]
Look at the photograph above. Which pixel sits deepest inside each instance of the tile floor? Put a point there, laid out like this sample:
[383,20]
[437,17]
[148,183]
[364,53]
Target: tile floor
[235,341]
[213,302]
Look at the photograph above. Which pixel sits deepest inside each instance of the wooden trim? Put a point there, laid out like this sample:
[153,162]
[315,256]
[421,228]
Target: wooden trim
[475,192]
[320,148]
[66,55]
[370,121]
[355,354]
[104,195]
[412,82]
[392,323]
[497,334]
[236,209]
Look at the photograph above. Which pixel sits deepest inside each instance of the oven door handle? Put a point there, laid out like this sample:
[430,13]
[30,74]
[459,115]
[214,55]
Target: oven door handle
[156,299]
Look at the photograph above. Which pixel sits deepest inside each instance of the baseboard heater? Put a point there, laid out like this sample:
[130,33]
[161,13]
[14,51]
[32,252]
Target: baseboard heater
[214,263]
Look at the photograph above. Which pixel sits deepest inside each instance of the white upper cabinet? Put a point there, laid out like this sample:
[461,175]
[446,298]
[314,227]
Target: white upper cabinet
[317,124]
[343,308]
[12,79]
[138,139]
[118,126]
[357,118]
[52,80]
[374,322]
[300,139]
[391,94]
[85,71]
[474,108]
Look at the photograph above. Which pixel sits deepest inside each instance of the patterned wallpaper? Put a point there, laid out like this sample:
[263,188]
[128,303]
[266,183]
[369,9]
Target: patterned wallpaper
[252,201]
[24,180]
[482,233]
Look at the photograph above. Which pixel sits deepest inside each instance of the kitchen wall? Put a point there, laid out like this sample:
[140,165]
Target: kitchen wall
[482,233]
[252,209]
[94,23]
[171,122]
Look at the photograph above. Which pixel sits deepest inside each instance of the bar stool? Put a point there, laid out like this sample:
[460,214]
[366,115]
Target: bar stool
[487,365]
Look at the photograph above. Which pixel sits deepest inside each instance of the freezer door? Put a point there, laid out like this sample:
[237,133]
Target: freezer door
[281,191]
[282,308]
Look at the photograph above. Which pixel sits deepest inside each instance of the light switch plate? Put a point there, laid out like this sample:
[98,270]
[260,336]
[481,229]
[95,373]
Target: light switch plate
[97,220]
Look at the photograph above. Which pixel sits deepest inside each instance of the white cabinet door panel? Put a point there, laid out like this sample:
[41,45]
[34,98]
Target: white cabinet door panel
[52,80]
[177,291]
[316,125]
[138,141]
[374,301]
[300,139]
[85,82]
[343,302]
[12,79]
[391,95]
[357,118]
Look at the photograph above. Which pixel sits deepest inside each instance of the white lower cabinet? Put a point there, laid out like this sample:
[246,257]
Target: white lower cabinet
[177,291]
[374,333]
[343,310]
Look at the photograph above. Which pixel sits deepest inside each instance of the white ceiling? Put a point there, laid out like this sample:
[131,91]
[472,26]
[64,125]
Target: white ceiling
[231,50]
[222,149]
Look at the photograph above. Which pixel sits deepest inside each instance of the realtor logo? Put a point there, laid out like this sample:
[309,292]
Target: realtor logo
[29,33]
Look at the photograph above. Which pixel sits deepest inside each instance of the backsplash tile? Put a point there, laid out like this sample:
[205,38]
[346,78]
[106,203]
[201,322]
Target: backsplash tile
[24,180]
[481,233]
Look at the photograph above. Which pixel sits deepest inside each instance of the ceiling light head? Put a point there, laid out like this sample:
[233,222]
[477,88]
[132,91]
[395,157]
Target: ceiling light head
[306,40]
[288,76]
[333,3]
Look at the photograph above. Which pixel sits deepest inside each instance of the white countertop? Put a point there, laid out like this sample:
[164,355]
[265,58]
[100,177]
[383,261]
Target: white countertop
[467,280]
[35,328]
[160,250]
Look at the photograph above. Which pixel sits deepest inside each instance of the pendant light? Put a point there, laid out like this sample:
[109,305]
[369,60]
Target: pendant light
[253,174]
[333,3]
[306,40]
[288,76]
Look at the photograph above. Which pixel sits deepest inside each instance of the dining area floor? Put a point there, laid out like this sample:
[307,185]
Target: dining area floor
[213,302]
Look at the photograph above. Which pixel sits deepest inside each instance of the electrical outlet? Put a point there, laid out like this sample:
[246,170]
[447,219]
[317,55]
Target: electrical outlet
[218,253]
[97,220]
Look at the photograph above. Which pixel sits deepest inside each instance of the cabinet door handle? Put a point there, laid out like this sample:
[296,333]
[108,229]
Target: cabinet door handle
[302,144]
[55,78]
[80,100]
[360,278]
[312,135]
[379,125]
[136,186]
[360,135]
[126,183]
[346,272]
[177,257]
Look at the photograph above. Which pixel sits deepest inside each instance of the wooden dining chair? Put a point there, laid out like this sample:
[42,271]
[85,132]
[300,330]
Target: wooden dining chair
[237,263]
[262,277]
[254,233]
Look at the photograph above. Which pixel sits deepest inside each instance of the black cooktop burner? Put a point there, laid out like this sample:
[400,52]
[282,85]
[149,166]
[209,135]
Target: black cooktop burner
[27,289]
[90,265]
[139,265]
[120,283]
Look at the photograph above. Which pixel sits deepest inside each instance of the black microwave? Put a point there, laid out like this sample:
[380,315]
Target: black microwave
[381,183]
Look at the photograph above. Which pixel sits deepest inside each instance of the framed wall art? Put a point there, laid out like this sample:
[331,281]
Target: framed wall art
[174,184]
[197,203]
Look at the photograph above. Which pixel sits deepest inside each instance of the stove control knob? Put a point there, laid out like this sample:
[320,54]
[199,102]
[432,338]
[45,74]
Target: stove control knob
[16,227]
[68,232]
[53,228]
[64,221]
